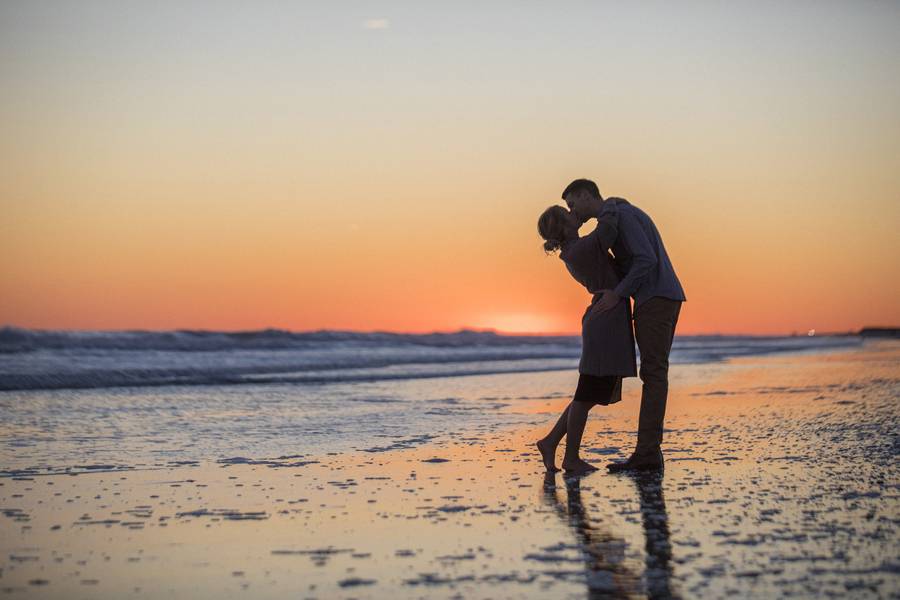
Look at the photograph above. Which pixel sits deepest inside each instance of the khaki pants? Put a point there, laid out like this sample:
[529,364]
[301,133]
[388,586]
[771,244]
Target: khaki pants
[654,329]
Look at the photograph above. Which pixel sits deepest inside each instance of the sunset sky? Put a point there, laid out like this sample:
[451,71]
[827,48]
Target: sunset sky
[381,166]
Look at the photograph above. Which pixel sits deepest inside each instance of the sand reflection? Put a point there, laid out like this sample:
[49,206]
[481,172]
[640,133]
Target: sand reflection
[605,568]
[603,552]
[655,520]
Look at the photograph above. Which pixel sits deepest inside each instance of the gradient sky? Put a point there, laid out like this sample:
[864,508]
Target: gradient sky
[363,165]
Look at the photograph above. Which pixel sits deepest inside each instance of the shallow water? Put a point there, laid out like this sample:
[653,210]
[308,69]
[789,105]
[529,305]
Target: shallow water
[781,479]
[123,428]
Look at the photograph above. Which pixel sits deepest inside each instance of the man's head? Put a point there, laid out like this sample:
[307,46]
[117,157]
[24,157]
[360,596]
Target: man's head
[583,198]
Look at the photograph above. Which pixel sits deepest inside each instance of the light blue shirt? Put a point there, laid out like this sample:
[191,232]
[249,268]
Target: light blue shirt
[640,253]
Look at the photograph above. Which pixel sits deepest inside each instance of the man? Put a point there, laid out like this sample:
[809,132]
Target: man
[649,278]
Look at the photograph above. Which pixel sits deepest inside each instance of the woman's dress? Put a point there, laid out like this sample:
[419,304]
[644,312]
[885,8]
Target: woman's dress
[607,337]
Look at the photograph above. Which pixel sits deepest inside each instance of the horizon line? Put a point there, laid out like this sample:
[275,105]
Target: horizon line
[463,329]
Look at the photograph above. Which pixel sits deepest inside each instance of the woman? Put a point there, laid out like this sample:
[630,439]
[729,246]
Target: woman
[607,352]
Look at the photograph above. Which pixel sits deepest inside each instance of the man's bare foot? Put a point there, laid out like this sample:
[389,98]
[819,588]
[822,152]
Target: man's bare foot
[547,456]
[578,467]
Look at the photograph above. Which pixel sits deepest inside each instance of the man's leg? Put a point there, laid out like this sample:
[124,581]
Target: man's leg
[654,329]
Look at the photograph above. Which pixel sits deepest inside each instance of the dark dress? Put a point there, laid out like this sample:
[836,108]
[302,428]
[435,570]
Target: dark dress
[607,337]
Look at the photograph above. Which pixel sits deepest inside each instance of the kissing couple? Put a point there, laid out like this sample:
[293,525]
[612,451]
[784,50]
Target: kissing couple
[622,258]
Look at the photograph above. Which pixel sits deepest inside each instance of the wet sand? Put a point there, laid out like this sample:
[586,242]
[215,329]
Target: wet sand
[781,479]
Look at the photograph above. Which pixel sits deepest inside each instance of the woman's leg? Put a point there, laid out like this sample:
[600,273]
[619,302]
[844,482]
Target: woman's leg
[591,391]
[559,430]
[547,446]
[578,413]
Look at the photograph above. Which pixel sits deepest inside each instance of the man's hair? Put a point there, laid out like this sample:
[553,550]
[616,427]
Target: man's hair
[582,184]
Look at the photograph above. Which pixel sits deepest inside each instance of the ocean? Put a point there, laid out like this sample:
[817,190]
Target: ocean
[46,360]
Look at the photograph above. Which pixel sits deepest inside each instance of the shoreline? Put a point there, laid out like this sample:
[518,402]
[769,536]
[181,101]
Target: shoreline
[681,376]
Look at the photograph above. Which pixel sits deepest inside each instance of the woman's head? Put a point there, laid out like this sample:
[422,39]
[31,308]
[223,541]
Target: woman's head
[557,225]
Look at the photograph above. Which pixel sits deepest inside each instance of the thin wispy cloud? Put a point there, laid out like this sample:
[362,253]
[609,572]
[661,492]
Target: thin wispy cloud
[376,24]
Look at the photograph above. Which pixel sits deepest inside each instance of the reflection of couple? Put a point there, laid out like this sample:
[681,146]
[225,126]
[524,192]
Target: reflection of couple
[640,268]
[606,573]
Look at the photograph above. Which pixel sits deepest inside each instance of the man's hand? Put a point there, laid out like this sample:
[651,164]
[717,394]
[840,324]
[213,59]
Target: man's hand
[608,299]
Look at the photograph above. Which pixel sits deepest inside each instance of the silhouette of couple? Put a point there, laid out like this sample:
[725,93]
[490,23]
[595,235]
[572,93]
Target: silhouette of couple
[622,258]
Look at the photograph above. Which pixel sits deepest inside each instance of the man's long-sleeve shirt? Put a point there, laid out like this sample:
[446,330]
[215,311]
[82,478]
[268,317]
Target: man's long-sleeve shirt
[639,253]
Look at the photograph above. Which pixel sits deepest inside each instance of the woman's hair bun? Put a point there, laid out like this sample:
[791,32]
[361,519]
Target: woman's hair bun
[551,227]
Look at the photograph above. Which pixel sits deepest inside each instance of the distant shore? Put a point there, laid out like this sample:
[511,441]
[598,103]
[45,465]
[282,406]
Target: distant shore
[880,332]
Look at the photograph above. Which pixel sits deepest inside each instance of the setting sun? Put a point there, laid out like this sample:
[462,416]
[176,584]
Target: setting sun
[523,323]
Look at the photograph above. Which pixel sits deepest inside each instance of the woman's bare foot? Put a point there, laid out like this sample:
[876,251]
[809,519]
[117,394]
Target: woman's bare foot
[578,467]
[547,456]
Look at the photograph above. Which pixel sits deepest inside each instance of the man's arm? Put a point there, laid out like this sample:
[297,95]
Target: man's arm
[608,225]
[643,258]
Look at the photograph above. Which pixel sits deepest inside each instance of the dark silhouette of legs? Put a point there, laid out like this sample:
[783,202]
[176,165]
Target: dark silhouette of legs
[547,446]
[592,390]
[577,419]
[570,425]
[654,329]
